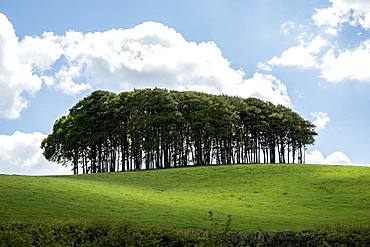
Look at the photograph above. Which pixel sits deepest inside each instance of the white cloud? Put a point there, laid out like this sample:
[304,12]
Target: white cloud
[331,31]
[321,119]
[338,158]
[347,64]
[303,55]
[40,52]
[149,54]
[16,76]
[263,86]
[66,77]
[152,54]
[334,64]
[20,153]
[335,158]
[353,12]
[315,157]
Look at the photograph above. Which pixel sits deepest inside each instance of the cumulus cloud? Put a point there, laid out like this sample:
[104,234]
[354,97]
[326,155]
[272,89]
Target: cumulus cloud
[147,55]
[353,12]
[321,119]
[304,55]
[263,86]
[20,153]
[324,54]
[338,158]
[16,76]
[40,52]
[152,54]
[335,65]
[335,158]
[347,64]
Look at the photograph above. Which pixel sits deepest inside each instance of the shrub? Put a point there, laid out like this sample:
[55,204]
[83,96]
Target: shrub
[101,234]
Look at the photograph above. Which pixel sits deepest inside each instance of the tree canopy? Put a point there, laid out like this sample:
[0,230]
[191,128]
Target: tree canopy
[157,128]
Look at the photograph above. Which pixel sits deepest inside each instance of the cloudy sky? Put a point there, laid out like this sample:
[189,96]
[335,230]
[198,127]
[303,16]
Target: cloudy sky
[310,55]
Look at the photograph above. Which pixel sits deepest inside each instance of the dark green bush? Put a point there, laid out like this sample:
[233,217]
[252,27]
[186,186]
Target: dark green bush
[100,234]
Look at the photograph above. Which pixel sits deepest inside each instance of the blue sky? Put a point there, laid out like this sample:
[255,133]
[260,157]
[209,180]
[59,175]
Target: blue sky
[309,55]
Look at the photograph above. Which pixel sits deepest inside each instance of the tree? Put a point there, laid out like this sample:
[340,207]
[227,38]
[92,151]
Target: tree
[157,128]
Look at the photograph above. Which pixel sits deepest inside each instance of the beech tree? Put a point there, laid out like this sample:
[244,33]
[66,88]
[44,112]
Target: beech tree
[157,128]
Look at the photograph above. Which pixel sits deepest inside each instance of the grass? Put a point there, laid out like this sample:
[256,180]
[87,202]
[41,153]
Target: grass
[258,197]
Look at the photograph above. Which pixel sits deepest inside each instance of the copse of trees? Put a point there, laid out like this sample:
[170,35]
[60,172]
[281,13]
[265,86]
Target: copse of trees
[157,128]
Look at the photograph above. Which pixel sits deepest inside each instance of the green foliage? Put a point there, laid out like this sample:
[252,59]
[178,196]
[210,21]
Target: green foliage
[156,128]
[217,237]
[259,197]
[84,234]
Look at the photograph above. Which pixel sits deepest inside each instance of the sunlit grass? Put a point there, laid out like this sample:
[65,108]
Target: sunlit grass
[258,197]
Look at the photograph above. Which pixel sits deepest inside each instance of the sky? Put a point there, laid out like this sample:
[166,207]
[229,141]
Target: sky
[309,55]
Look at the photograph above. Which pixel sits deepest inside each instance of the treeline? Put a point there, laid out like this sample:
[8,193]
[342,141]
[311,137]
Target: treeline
[157,128]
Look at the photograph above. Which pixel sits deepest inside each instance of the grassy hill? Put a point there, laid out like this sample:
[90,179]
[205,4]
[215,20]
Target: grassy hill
[258,197]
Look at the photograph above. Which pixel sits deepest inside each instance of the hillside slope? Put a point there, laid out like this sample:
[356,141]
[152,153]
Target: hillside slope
[258,197]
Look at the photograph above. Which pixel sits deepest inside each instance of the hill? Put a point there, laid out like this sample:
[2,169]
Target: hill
[258,197]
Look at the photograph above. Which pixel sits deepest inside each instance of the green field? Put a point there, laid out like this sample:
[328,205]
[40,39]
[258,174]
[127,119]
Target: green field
[258,197]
